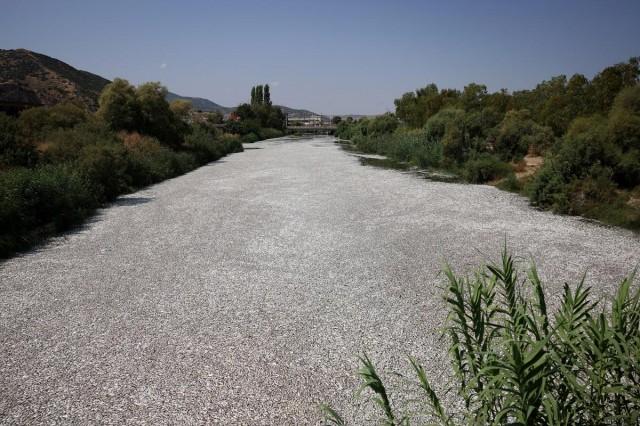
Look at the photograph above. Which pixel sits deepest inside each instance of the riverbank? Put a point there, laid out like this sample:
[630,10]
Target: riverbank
[619,208]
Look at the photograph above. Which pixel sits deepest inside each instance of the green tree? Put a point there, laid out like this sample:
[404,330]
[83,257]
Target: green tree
[253,95]
[610,81]
[437,125]
[215,117]
[181,108]
[624,133]
[35,123]
[119,107]
[384,124]
[259,94]
[473,97]
[518,133]
[267,95]
[157,119]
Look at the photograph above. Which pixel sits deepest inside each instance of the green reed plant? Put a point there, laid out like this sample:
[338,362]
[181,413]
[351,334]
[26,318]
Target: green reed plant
[514,362]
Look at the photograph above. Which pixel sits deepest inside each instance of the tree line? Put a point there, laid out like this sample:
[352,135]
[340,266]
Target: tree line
[587,131]
[58,164]
[258,119]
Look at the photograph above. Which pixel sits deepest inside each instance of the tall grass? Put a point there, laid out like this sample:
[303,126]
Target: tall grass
[516,363]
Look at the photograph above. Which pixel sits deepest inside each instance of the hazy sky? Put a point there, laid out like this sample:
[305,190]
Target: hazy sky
[333,57]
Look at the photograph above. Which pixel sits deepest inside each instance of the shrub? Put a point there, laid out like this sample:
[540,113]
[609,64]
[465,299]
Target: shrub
[548,189]
[104,169]
[204,145]
[400,146]
[36,122]
[518,133]
[250,138]
[515,362]
[384,124]
[231,143]
[14,151]
[484,168]
[627,170]
[270,133]
[37,202]
[510,183]
[437,125]
[65,145]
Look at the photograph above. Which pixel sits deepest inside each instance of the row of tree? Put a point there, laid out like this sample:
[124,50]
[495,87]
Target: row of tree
[587,130]
[57,164]
[258,119]
[553,103]
[261,95]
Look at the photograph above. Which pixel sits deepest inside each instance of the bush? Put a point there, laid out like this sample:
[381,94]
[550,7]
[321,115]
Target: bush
[484,168]
[66,145]
[400,146]
[104,169]
[37,202]
[437,125]
[270,133]
[518,133]
[204,145]
[381,125]
[250,138]
[231,143]
[548,189]
[14,151]
[37,122]
[510,183]
[514,362]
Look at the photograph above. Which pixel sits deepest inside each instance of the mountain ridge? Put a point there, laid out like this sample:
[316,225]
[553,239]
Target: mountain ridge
[30,79]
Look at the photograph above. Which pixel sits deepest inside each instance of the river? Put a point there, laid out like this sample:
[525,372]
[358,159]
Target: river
[242,292]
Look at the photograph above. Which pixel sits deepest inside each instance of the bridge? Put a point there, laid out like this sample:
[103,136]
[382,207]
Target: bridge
[309,123]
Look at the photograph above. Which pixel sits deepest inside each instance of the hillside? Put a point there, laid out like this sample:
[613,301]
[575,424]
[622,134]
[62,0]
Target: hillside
[34,79]
[207,105]
[30,79]
[201,104]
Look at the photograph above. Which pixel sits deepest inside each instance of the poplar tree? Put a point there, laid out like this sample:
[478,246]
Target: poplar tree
[253,95]
[267,95]
[259,95]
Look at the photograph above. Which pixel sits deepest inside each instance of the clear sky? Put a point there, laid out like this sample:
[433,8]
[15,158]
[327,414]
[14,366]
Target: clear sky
[333,57]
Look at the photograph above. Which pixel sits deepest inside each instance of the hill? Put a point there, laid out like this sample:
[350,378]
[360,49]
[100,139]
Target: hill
[31,78]
[207,105]
[201,104]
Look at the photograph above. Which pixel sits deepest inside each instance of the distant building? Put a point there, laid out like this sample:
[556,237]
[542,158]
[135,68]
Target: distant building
[313,120]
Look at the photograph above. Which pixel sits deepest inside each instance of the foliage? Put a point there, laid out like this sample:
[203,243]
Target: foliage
[515,362]
[143,109]
[119,106]
[382,125]
[215,117]
[270,133]
[587,130]
[34,123]
[256,116]
[84,160]
[484,168]
[14,150]
[40,201]
[518,133]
